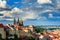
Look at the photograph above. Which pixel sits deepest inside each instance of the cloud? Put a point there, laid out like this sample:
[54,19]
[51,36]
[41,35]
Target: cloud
[58,3]
[50,15]
[30,15]
[25,14]
[48,10]
[29,11]
[44,1]
[10,13]
[17,2]
[17,10]
[1,17]
[2,4]
[9,19]
[28,1]
[6,19]
[5,13]
[41,18]
[22,13]
[4,9]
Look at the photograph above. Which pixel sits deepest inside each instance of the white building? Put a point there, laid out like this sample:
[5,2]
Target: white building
[3,33]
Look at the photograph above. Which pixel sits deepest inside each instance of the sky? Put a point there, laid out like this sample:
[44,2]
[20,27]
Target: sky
[33,12]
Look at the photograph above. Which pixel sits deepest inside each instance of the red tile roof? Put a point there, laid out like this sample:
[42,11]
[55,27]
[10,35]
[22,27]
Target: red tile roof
[24,28]
[1,25]
[5,27]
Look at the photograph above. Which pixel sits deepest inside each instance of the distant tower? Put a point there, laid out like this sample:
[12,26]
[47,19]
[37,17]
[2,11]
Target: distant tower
[18,19]
[21,22]
[14,21]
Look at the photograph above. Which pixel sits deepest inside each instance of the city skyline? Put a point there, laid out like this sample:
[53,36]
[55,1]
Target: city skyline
[33,12]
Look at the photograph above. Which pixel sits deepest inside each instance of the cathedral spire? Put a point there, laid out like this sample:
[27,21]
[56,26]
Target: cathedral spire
[14,21]
[18,19]
[21,22]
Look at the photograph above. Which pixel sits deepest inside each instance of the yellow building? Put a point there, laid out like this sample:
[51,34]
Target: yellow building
[31,28]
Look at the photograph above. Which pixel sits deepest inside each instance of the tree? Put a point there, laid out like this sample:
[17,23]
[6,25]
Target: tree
[39,30]
[0,37]
[30,37]
[16,37]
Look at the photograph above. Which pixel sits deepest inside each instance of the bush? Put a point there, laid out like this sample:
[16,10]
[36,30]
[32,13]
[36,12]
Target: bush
[0,37]
[30,37]
[16,37]
[39,30]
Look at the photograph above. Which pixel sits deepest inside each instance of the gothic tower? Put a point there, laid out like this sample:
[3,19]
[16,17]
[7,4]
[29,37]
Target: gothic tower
[21,22]
[18,19]
[14,21]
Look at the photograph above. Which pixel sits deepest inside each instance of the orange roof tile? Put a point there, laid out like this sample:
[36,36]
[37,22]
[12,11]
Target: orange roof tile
[24,28]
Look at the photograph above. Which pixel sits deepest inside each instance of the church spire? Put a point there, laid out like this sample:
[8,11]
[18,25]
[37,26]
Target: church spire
[20,22]
[14,21]
[18,19]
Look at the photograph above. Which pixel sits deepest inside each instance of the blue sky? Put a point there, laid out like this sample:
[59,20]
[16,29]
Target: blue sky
[33,12]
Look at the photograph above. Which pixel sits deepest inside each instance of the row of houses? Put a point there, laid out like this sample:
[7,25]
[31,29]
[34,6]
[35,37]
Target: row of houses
[7,30]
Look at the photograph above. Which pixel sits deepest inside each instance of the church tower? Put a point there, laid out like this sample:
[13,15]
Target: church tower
[20,22]
[18,19]
[14,21]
